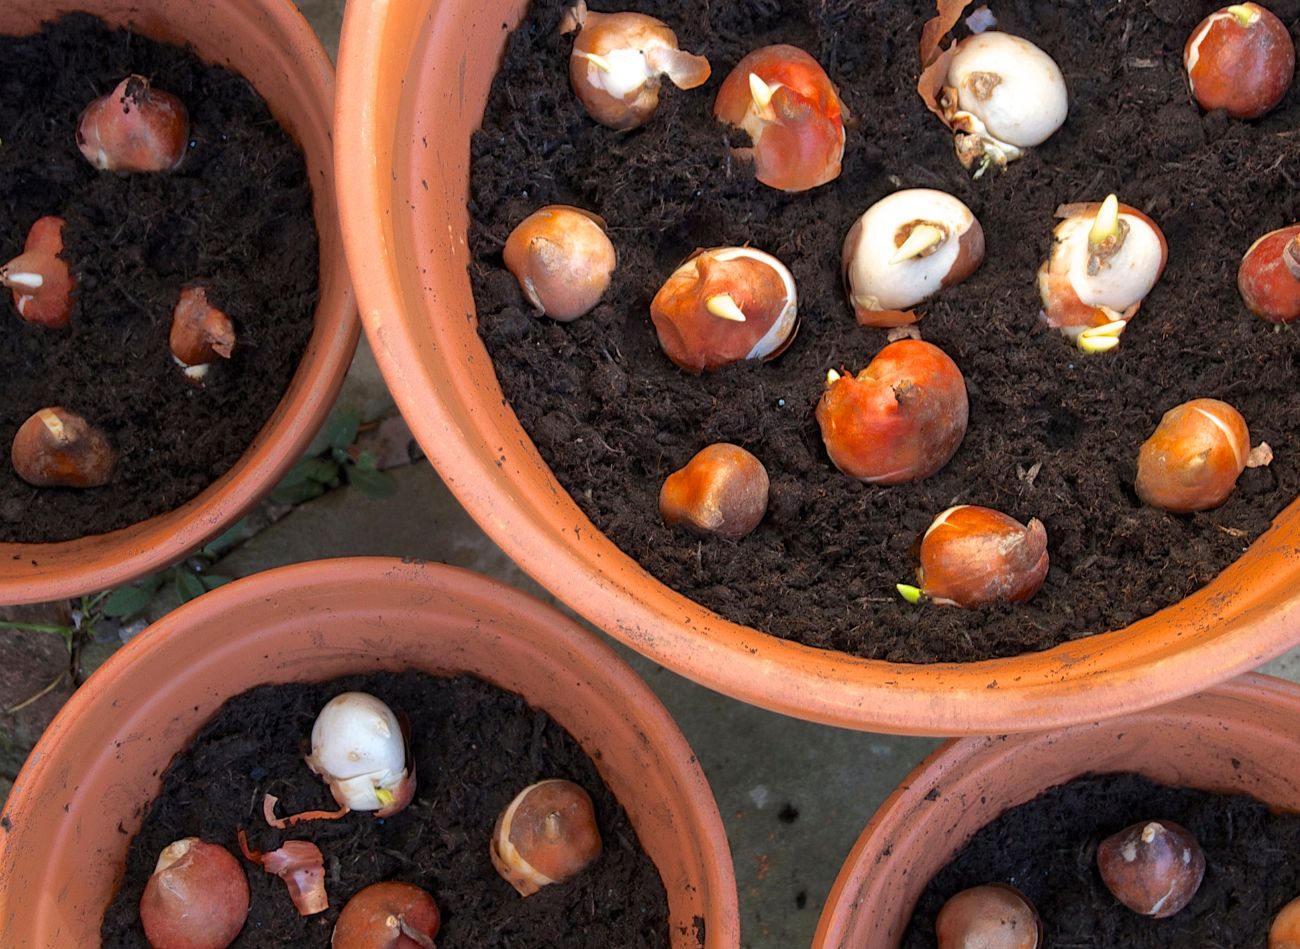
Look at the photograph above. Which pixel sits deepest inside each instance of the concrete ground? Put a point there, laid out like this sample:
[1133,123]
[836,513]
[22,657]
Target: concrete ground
[794,796]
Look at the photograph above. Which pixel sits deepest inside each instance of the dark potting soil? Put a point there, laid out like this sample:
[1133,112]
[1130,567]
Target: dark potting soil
[236,216]
[1047,849]
[1052,435]
[475,747]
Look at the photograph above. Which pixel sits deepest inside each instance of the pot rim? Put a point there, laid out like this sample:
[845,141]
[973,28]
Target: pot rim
[1243,618]
[41,572]
[329,586]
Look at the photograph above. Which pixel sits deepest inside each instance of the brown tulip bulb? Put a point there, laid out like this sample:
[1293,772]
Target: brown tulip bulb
[1153,868]
[1192,460]
[388,915]
[1284,933]
[993,916]
[562,259]
[721,491]
[546,835]
[617,63]
[201,334]
[974,555]
[197,897]
[1269,276]
[39,278]
[56,448]
[1240,59]
[725,305]
[134,128]
[900,419]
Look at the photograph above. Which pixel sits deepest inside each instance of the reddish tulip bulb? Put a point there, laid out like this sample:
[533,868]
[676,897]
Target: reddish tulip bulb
[900,419]
[546,835]
[201,334]
[1240,59]
[724,305]
[1284,933]
[722,490]
[618,60]
[56,448]
[1153,868]
[388,915]
[993,916]
[1269,276]
[1192,460]
[793,114]
[974,555]
[134,128]
[1105,259]
[562,259]
[197,897]
[39,277]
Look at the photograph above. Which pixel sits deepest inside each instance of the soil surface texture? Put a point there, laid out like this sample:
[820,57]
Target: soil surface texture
[236,217]
[1047,849]
[1052,434]
[475,747]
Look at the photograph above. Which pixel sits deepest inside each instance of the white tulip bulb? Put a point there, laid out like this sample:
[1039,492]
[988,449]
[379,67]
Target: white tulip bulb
[357,747]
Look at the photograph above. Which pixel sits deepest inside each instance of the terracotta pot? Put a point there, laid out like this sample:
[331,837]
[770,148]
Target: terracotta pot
[77,801]
[270,44]
[1239,737]
[403,149]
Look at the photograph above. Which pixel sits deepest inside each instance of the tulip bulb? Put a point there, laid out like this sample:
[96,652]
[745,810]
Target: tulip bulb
[1003,95]
[906,248]
[1269,276]
[1153,868]
[971,556]
[1284,933]
[562,259]
[724,305]
[1240,59]
[201,334]
[1192,460]
[358,748]
[1105,259]
[783,98]
[900,419]
[389,915]
[992,916]
[617,63]
[722,491]
[39,278]
[197,897]
[135,128]
[546,835]
[56,448]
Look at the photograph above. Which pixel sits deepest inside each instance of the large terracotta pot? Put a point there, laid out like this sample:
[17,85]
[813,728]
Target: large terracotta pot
[270,44]
[1240,737]
[77,801]
[413,79]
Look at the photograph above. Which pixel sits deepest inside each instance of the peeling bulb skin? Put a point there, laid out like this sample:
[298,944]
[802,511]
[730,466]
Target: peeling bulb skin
[1284,933]
[135,128]
[971,556]
[722,491]
[991,916]
[197,898]
[546,835]
[562,259]
[1002,95]
[618,62]
[200,334]
[725,305]
[357,747]
[906,248]
[1240,59]
[389,915]
[1192,460]
[39,278]
[56,448]
[1153,868]
[1086,285]
[900,419]
[793,114]
[1269,276]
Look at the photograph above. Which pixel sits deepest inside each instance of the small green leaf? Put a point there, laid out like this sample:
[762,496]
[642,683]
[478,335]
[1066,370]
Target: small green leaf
[341,429]
[322,470]
[910,593]
[298,493]
[127,601]
[297,474]
[188,585]
[373,484]
[222,543]
[211,581]
[340,456]
[367,461]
